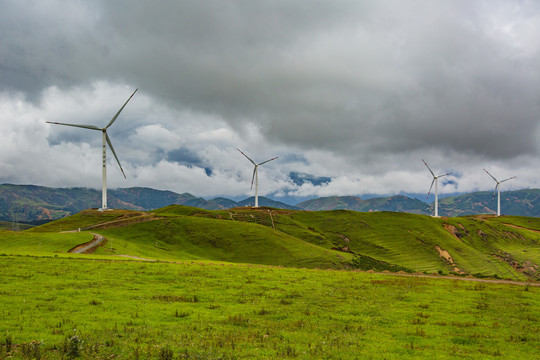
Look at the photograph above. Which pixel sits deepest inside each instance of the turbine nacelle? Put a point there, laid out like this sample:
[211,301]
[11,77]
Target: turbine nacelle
[435,181]
[254,178]
[435,177]
[498,187]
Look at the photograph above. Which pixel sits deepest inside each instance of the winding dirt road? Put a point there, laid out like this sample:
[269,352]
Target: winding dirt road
[83,248]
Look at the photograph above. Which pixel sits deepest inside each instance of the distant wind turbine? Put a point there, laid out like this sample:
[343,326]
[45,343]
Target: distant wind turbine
[498,187]
[435,180]
[106,141]
[255,175]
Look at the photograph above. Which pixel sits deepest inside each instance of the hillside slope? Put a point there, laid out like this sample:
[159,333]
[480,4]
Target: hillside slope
[466,245]
[507,247]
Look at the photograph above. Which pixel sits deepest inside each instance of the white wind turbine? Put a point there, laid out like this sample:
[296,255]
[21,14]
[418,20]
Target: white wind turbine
[255,175]
[498,187]
[436,181]
[106,141]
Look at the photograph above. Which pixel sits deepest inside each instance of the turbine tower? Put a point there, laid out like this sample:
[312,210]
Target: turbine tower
[498,187]
[256,176]
[436,181]
[106,141]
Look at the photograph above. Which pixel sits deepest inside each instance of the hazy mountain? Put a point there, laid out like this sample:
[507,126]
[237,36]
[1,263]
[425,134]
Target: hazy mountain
[264,201]
[332,203]
[140,198]
[399,203]
[30,203]
[520,202]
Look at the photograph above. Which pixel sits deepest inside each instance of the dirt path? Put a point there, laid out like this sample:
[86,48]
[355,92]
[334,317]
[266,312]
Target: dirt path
[522,227]
[491,281]
[136,258]
[83,248]
[123,221]
[98,239]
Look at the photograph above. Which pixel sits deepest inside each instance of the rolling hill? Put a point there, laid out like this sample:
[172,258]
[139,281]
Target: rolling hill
[506,247]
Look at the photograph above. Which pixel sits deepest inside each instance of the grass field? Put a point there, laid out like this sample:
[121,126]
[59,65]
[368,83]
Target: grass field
[89,307]
[270,284]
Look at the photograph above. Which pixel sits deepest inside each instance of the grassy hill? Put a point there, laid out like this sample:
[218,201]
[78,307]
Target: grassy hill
[178,232]
[506,247]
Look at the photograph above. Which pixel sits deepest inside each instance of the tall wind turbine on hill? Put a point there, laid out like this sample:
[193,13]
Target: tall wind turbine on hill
[498,187]
[106,141]
[256,175]
[436,181]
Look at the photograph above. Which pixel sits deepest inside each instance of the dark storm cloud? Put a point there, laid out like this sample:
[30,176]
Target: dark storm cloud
[369,81]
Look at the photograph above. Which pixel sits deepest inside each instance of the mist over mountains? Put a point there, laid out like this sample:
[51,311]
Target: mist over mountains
[31,203]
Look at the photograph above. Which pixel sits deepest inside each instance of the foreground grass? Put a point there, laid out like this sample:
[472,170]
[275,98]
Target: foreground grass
[66,307]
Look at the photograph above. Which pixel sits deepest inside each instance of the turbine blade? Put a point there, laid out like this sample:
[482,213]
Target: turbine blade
[495,191]
[493,177]
[253,177]
[431,187]
[253,162]
[444,174]
[264,162]
[91,127]
[428,167]
[114,153]
[119,111]
[510,178]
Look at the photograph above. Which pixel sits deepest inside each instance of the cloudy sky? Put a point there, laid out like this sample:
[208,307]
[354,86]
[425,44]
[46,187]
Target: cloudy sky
[350,95]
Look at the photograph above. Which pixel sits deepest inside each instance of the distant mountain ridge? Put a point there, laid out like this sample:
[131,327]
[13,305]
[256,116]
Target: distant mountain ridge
[31,203]
[520,202]
[397,203]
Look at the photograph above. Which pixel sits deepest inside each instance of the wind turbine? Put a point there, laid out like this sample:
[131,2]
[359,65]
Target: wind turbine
[255,175]
[498,187]
[436,181]
[106,141]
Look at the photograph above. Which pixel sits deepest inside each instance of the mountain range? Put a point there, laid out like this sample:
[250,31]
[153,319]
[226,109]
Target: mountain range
[31,203]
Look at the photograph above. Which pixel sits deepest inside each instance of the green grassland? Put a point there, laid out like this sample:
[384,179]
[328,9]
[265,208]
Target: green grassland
[91,308]
[268,284]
